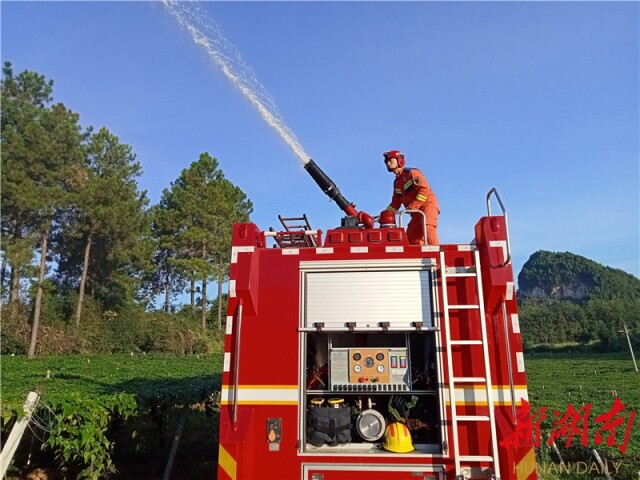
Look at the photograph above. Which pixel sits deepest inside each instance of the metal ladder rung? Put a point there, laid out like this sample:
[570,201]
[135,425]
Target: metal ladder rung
[465,342]
[469,379]
[469,271]
[476,458]
[473,418]
[296,232]
[289,223]
[293,228]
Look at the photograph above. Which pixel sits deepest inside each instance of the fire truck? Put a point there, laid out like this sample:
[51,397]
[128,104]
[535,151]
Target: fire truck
[355,355]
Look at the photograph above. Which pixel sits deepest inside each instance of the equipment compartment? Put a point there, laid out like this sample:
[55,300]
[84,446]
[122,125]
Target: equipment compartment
[378,378]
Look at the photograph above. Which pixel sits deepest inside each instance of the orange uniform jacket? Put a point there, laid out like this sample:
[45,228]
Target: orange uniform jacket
[411,189]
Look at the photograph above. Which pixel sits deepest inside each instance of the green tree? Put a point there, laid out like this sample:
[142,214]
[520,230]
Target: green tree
[103,237]
[41,161]
[200,208]
[166,277]
[537,326]
[235,209]
[25,100]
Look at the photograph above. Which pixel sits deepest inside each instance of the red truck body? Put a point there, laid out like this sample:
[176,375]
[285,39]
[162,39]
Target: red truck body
[363,322]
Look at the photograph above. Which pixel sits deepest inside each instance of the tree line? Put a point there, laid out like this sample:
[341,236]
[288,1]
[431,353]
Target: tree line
[85,257]
[80,239]
[599,322]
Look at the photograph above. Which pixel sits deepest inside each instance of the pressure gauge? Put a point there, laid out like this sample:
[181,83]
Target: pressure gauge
[380,368]
[368,362]
[370,425]
[380,356]
[357,368]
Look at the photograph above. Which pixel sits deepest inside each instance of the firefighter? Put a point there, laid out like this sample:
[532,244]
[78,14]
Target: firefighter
[411,189]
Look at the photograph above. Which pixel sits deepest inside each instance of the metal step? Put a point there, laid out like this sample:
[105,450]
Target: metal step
[473,418]
[476,458]
[465,342]
[460,271]
[469,380]
[462,307]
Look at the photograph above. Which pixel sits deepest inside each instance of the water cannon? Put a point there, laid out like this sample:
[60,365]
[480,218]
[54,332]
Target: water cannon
[332,191]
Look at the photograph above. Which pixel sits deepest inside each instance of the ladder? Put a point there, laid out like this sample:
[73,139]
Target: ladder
[297,233]
[473,343]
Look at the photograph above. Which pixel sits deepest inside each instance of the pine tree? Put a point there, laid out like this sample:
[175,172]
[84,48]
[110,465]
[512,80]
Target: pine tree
[25,101]
[198,213]
[41,162]
[103,237]
[165,278]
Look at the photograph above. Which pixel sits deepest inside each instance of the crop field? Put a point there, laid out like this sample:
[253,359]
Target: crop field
[163,391]
[144,399]
[142,375]
[580,392]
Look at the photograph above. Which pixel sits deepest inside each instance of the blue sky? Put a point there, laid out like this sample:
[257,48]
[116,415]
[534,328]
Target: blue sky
[538,99]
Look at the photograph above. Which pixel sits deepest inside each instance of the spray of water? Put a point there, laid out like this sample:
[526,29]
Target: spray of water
[206,33]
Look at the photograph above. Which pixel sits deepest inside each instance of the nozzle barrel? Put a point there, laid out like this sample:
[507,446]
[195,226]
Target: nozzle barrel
[329,188]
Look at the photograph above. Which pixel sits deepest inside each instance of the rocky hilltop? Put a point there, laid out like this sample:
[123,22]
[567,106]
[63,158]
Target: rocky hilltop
[566,276]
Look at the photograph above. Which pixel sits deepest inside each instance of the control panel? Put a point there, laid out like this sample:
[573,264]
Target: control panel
[369,369]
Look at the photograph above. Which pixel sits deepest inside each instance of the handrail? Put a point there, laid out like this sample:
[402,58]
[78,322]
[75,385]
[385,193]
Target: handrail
[424,221]
[309,233]
[507,259]
[236,374]
[506,338]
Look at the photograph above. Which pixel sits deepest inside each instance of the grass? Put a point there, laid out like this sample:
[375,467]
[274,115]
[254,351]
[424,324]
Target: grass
[144,376]
[555,381]
[167,389]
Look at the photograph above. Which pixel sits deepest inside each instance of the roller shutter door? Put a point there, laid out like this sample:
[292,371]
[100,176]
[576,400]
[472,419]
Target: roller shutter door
[367,298]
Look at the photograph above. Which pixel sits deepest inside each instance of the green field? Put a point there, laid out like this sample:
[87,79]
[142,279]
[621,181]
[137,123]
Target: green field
[145,376]
[171,385]
[158,392]
[559,380]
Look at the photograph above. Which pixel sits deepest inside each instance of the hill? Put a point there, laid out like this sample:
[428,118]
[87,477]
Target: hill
[566,276]
[564,297]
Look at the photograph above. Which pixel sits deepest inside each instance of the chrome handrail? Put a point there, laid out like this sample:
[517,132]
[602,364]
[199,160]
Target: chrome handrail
[424,221]
[236,372]
[507,259]
[510,366]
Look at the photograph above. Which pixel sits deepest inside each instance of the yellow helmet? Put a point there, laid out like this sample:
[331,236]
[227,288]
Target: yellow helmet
[397,438]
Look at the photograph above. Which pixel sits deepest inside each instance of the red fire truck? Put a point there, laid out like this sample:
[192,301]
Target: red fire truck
[355,355]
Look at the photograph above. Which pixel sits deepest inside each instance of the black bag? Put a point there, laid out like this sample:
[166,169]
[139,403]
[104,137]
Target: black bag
[326,425]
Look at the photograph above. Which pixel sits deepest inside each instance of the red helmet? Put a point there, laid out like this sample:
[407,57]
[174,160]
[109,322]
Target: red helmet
[395,154]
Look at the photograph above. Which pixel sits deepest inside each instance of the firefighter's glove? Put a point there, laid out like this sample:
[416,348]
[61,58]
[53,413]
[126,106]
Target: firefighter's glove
[365,219]
[399,406]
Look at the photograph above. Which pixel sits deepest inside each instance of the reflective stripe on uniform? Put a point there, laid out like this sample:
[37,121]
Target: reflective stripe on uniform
[421,197]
